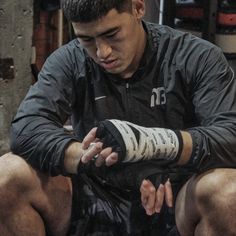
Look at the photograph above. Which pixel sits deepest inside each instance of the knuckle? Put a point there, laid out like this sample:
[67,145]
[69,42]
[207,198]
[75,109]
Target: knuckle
[97,149]
[152,189]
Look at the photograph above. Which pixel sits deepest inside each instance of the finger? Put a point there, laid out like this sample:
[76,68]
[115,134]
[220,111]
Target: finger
[159,198]
[168,194]
[112,159]
[149,192]
[89,154]
[145,188]
[144,192]
[102,156]
[89,138]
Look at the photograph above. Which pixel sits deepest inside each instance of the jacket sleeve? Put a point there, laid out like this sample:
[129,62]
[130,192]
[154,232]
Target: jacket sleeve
[214,100]
[37,132]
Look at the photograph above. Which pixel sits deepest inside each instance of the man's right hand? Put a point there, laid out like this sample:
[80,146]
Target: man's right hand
[93,147]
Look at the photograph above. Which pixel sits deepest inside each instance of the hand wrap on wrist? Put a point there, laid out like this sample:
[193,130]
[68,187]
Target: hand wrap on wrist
[134,143]
[127,176]
[131,175]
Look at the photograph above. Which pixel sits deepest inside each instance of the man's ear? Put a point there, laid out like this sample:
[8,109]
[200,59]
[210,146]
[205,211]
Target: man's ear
[138,8]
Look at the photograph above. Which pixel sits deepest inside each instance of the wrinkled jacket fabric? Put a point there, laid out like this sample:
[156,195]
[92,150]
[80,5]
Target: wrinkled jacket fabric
[183,83]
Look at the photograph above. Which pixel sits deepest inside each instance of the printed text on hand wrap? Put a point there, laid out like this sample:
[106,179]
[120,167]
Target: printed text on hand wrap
[151,143]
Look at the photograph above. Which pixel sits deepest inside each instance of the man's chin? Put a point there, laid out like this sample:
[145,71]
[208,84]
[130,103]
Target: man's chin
[115,71]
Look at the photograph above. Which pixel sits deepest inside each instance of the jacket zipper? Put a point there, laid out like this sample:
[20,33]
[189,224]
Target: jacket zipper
[127,89]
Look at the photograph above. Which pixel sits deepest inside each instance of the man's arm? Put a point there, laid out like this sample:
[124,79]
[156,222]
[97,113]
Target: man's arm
[214,98]
[37,132]
[133,145]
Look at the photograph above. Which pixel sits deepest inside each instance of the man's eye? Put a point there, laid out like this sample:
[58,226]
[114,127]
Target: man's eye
[87,40]
[111,35]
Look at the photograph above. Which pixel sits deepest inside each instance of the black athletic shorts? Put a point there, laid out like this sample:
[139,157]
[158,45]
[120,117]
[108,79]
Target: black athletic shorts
[100,209]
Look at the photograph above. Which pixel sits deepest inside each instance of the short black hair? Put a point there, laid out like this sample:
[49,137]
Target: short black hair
[89,10]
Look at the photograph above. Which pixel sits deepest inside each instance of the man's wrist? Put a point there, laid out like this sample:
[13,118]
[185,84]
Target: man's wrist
[73,154]
[187,148]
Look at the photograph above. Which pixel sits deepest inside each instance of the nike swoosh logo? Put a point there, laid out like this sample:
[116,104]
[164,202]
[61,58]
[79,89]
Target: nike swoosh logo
[98,98]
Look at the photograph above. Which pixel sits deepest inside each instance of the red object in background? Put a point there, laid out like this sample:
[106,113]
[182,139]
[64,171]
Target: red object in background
[41,39]
[225,18]
[228,19]
[45,36]
[189,12]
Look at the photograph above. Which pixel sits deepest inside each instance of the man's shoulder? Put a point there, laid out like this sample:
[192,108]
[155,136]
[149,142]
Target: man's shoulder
[155,29]
[70,53]
[162,36]
[164,32]
[179,43]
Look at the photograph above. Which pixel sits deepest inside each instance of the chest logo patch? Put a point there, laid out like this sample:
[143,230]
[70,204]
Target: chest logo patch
[158,97]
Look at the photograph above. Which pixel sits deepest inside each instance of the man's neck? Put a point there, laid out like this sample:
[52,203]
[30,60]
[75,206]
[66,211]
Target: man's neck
[141,48]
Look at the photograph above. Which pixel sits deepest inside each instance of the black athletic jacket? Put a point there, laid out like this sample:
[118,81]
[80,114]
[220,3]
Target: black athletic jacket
[183,82]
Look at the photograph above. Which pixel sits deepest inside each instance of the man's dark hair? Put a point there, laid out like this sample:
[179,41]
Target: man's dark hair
[89,10]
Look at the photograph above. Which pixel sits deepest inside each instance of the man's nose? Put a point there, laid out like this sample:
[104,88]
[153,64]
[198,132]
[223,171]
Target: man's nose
[103,49]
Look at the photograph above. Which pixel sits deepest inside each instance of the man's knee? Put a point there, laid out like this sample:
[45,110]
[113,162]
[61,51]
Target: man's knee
[14,171]
[17,179]
[22,187]
[208,198]
[216,189]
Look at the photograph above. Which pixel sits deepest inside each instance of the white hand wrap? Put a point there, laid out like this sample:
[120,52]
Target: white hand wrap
[150,143]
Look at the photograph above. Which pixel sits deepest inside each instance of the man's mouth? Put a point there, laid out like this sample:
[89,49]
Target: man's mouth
[108,64]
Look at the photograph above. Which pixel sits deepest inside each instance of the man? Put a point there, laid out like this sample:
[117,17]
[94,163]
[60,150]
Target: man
[138,93]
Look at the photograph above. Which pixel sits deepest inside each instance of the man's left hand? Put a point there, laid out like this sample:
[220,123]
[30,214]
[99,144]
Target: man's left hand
[153,199]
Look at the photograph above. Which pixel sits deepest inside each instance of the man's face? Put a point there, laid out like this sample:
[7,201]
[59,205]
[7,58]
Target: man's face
[115,42]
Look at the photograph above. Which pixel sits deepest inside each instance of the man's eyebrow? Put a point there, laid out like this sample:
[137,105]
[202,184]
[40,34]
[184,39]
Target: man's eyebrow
[101,34]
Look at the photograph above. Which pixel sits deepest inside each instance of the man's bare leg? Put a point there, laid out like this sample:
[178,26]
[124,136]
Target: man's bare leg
[206,205]
[30,200]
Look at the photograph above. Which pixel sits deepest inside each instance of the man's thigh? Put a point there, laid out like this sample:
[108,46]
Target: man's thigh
[22,188]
